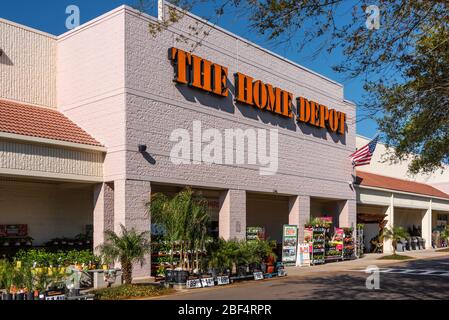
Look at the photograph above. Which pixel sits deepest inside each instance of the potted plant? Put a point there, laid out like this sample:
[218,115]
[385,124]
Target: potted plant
[220,258]
[7,276]
[6,242]
[28,280]
[394,234]
[27,241]
[17,242]
[43,280]
[80,239]
[184,220]
[128,248]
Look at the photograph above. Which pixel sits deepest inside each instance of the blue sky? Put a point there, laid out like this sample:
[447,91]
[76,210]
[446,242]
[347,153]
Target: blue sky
[50,16]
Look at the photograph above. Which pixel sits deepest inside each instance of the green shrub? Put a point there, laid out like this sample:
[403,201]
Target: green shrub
[224,254]
[130,291]
[43,258]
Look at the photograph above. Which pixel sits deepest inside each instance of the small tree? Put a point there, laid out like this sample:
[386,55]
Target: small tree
[394,234]
[185,219]
[128,248]
[444,234]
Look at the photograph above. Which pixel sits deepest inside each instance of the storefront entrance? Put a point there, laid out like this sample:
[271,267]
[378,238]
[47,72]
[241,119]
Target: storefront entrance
[269,212]
[373,219]
[45,211]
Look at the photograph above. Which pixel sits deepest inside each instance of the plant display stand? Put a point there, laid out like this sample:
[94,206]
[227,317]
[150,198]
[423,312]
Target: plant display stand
[334,246]
[359,247]
[348,244]
[318,245]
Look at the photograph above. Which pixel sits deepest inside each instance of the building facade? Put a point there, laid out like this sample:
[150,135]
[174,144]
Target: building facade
[93,122]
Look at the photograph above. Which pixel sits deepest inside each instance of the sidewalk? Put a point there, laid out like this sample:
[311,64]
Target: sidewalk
[367,260]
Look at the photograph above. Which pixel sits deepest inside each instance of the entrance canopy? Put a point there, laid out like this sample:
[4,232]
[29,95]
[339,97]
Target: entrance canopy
[391,202]
[42,143]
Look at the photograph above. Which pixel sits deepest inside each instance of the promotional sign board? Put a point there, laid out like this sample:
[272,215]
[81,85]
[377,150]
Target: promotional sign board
[282,273]
[308,235]
[194,283]
[13,230]
[255,233]
[207,282]
[289,244]
[303,259]
[222,280]
[338,238]
[258,275]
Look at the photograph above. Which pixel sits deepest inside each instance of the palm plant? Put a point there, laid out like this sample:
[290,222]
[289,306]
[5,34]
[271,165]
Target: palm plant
[445,233]
[394,234]
[28,277]
[185,220]
[220,255]
[128,248]
[8,275]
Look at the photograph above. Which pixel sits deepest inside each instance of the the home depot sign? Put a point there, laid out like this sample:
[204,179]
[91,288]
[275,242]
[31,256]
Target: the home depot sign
[211,77]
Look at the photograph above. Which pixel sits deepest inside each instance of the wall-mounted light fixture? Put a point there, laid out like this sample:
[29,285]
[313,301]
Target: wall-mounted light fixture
[142,148]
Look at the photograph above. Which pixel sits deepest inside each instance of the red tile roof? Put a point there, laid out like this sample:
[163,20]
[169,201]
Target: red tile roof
[24,119]
[379,181]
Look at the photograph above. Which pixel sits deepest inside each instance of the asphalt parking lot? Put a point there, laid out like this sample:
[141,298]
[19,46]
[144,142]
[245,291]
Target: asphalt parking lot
[416,280]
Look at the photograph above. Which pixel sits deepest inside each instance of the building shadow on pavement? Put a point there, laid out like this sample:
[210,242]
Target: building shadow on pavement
[352,287]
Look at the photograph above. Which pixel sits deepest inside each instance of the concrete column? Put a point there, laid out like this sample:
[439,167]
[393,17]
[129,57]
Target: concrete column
[426,226]
[390,224]
[130,199]
[299,213]
[232,215]
[348,214]
[103,211]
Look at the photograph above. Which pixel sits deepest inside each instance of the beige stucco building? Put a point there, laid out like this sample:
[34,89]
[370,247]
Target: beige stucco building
[76,107]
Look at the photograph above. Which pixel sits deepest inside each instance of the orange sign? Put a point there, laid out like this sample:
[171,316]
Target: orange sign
[199,73]
[211,77]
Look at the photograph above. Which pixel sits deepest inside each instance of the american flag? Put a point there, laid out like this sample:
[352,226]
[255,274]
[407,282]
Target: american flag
[363,155]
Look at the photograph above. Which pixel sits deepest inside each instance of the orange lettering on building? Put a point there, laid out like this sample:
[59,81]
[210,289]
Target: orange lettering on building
[341,127]
[198,72]
[244,88]
[220,80]
[181,61]
[304,109]
[319,115]
[274,98]
[324,115]
[260,96]
[211,77]
[287,99]
[201,74]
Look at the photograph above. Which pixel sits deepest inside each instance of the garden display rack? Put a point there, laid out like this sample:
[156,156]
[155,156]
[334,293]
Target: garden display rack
[359,241]
[348,244]
[318,245]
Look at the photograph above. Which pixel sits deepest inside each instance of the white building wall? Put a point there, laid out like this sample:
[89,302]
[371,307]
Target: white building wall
[311,162]
[50,210]
[27,65]
[91,81]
